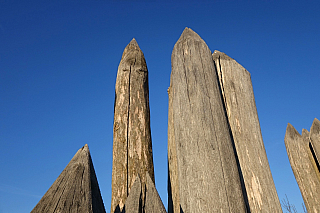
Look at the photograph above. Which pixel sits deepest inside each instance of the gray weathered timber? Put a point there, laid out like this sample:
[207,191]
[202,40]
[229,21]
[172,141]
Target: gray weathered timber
[315,139]
[237,91]
[153,202]
[207,173]
[303,167]
[132,148]
[133,202]
[75,190]
[173,184]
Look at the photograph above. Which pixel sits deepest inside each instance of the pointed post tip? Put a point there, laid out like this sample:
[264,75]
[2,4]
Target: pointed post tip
[315,120]
[291,132]
[290,128]
[134,42]
[289,125]
[315,127]
[189,32]
[85,148]
[186,29]
[133,45]
[305,131]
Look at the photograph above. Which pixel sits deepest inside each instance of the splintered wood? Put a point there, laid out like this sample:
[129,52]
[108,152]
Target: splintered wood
[303,156]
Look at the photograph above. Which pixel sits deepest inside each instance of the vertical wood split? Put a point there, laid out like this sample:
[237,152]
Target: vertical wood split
[239,101]
[132,147]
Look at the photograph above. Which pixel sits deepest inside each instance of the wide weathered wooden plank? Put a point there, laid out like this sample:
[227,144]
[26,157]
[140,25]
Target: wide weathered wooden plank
[132,148]
[75,190]
[208,178]
[303,167]
[236,87]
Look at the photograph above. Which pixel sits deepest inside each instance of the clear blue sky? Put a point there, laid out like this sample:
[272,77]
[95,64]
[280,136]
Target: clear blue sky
[58,65]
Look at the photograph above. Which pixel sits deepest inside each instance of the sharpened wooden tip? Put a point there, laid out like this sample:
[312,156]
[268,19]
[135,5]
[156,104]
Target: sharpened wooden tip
[291,132]
[315,126]
[132,46]
[85,148]
[133,42]
[189,34]
[75,190]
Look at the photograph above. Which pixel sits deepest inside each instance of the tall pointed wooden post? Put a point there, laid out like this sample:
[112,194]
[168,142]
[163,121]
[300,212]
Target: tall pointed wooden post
[75,190]
[132,147]
[237,91]
[203,173]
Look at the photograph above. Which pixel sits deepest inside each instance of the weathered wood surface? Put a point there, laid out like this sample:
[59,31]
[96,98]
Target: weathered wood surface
[303,167]
[153,201]
[132,148]
[208,178]
[75,190]
[237,91]
[173,183]
[315,139]
[133,202]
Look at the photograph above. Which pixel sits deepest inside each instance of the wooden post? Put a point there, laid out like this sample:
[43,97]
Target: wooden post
[237,91]
[202,166]
[304,167]
[132,147]
[75,190]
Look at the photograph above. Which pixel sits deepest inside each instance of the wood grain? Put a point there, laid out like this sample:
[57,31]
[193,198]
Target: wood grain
[207,176]
[75,190]
[303,167]
[132,146]
[153,201]
[237,91]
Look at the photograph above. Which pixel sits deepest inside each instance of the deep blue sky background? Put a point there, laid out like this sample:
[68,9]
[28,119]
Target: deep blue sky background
[58,65]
